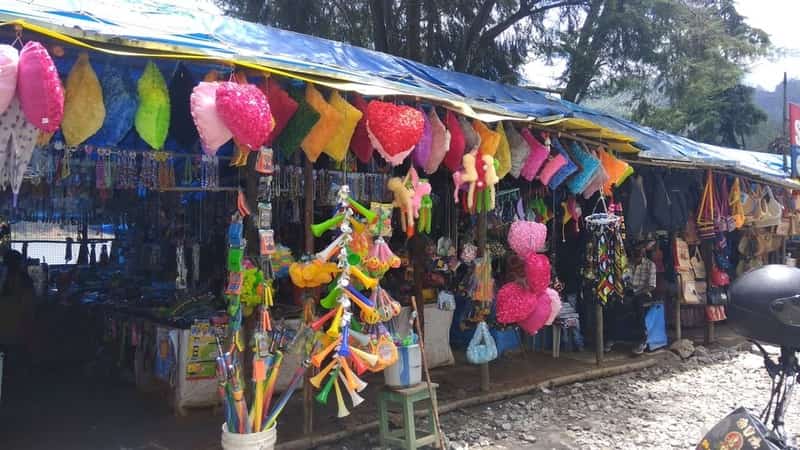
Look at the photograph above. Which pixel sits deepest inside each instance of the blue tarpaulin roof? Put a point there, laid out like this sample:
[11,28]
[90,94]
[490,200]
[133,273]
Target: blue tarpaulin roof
[158,27]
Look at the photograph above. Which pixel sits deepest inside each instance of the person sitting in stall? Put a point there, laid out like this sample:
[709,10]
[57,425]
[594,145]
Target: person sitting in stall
[627,318]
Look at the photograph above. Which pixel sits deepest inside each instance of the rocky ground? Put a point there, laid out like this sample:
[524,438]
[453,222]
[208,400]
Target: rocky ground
[668,406]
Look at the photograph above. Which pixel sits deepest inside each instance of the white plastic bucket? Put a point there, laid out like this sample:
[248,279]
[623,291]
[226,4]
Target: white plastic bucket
[407,371]
[264,440]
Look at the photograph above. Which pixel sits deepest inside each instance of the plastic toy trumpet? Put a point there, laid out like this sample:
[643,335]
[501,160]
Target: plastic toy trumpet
[358,298]
[360,338]
[334,329]
[342,408]
[317,359]
[331,250]
[322,397]
[361,209]
[367,281]
[318,229]
[317,324]
[358,364]
[316,380]
[330,300]
[353,382]
[354,397]
[368,358]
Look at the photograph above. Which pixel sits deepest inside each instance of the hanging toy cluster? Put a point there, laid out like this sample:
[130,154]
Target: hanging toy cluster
[350,346]
[413,196]
[531,304]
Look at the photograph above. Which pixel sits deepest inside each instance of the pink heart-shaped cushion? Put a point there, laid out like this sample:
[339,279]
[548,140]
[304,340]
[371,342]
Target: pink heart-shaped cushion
[514,303]
[394,130]
[526,237]
[537,272]
[537,319]
[39,88]
[555,305]
[244,109]
[213,132]
[9,66]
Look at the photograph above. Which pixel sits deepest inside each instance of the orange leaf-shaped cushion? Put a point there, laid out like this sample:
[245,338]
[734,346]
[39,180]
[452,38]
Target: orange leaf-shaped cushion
[326,127]
[337,147]
[84,111]
[490,140]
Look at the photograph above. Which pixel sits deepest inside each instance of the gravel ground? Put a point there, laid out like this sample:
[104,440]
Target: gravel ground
[668,406]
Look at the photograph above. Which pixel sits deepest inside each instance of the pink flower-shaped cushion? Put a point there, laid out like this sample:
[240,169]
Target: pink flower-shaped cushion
[452,160]
[440,142]
[213,132]
[39,88]
[394,130]
[537,272]
[525,237]
[514,303]
[9,67]
[551,167]
[244,109]
[537,319]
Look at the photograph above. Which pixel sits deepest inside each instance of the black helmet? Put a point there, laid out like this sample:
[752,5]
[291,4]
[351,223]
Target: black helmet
[765,305]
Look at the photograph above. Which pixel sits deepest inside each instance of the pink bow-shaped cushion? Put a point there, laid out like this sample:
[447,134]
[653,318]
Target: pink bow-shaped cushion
[244,109]
[213,132]
[394,130]
[9,67]
[514,303]
[39,88]
[526,237]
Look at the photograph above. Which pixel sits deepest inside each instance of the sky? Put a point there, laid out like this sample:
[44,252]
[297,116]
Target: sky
[777,17]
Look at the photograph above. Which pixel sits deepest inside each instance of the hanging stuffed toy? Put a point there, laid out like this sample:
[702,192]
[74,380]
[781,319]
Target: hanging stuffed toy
[281,105]
[120,101]
[299,125]
[360,143]
[326,127]
[153,115]
[519,151]
[245,111]
[84,111]
[503,155]
[39,88]
[9,67]
[487,180]
[403,199]
[180,93]
[440,142]
[467,175]
[212,130]
[394,130]
[536,158]
[351,116]
[452,160]
[422,151]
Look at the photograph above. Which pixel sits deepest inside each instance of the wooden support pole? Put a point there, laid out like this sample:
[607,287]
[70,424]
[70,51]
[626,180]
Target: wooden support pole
[598,337]
[481,232]
[678,326]
[308,219]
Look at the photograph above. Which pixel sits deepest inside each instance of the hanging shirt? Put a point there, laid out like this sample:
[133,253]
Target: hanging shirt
[644,276]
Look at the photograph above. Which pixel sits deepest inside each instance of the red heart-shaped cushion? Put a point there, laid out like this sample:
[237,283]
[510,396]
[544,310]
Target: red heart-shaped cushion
[394,130]
[244,109]
[514,303]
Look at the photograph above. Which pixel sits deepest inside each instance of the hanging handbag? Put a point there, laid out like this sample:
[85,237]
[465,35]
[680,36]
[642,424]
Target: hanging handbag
[719,278]
[706,226]
[683,261]
[715,313]
[688,293]
[701,288]
[735,204]
[698,266]
[446,301]
[717,296]
[481,348]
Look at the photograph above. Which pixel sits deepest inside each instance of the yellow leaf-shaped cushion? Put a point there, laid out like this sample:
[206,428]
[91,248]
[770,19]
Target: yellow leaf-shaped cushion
[337,147]
[503,155]
[84,111]
[489,139]
[326,127]
[152,117]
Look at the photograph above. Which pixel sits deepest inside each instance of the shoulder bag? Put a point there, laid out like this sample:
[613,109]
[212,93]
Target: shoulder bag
[698,266]
[481,348]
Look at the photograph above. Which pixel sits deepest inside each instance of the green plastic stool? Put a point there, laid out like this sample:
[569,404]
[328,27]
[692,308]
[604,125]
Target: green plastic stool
[406,437]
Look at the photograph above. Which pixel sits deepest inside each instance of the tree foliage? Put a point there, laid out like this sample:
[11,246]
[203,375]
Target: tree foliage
[681,61]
